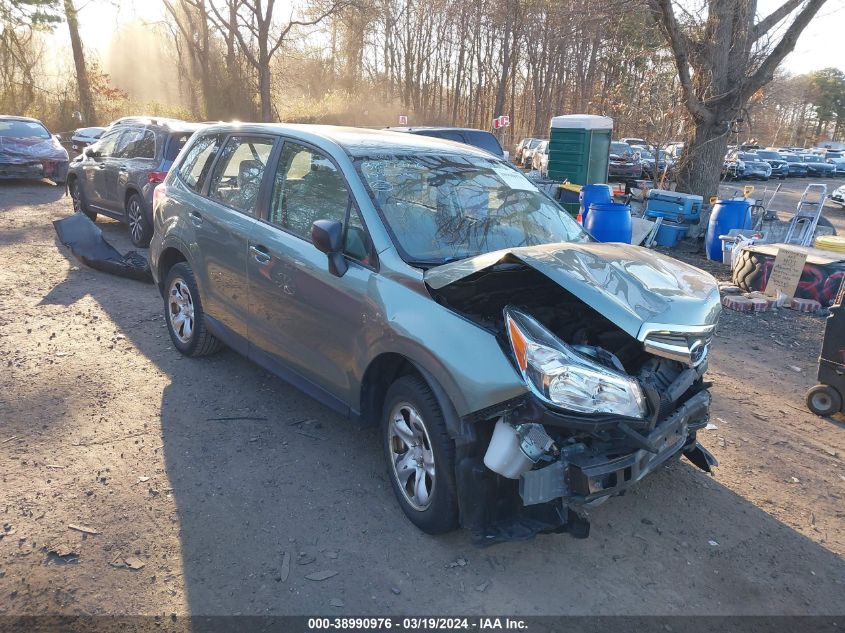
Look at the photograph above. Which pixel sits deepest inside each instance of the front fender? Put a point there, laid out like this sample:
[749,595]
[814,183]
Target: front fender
[466,360]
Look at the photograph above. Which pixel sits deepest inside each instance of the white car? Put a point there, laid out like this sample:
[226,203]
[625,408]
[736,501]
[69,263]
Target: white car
[540,158]
[838,195]
[529,153]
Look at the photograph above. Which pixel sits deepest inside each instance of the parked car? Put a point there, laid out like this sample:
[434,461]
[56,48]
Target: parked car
[519,371]
[796,166]
[116,175]
[634,141]
[625,165]
[528,154]
[29,150]
[653,167]
[780,168]
[675,150]
[816,165]
[745,165]
[521,147]
[838,166]
[469,136]
[838,195]
[85,136]
[540,158]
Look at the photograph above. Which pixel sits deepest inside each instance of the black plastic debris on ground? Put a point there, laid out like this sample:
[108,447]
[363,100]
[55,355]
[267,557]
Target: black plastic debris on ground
[85,240]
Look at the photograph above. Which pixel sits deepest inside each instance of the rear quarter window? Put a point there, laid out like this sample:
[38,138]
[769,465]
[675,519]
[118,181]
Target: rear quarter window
[175,143]
[485,141]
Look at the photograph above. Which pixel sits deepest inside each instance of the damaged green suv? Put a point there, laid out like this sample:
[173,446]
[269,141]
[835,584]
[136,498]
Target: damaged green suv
[520,372]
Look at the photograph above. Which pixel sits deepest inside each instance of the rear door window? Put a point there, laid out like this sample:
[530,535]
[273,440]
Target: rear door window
[194,169]
[137,143]
[239,171]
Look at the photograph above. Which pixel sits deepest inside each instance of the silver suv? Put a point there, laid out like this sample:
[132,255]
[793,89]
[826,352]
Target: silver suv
[116,175]
[519,371]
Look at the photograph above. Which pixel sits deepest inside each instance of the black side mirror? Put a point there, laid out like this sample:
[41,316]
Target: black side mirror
[327,236]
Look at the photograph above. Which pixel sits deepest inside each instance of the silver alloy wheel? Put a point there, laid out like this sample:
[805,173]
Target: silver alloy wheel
[411,455]
[181,310]
[136,222]
[822,401]
[75,197]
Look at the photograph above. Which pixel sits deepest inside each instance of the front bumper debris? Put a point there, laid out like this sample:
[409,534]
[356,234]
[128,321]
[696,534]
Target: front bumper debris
[583,476]
[556,498]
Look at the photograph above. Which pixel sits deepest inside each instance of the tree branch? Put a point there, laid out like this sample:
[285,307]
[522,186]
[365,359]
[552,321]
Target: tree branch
[766,24]
[680,45]
[766,70]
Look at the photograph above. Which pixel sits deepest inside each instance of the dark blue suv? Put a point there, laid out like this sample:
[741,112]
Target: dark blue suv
[116,175]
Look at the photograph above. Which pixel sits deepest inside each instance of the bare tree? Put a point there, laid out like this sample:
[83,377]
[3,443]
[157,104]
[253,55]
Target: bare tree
[722,59]
[260,37]
[86,100]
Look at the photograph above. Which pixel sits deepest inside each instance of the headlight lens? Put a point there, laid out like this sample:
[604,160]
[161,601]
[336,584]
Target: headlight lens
[560,376]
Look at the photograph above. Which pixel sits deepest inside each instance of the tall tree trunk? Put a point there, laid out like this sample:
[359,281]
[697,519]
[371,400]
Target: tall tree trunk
[707,148]
[86,100]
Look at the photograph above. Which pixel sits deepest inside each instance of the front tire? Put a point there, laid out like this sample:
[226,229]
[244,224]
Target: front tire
[420,456]
[824,400]
[140,231]
[78,199]
[184,314]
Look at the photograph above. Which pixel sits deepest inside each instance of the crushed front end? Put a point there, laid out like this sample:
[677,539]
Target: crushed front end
[606,405]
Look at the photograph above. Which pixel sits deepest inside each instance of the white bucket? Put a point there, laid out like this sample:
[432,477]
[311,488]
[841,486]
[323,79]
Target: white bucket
[504,456]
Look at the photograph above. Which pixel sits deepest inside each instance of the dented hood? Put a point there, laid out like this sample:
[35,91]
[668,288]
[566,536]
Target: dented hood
[631,286]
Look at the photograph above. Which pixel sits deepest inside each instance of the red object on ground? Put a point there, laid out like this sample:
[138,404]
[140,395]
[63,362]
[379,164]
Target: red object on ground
[740,304]
[805,305]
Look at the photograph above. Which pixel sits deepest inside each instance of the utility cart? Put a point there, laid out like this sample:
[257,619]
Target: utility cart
[827,397]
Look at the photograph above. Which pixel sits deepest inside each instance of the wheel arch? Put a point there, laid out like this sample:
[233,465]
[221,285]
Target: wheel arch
[388,367]
[169,257]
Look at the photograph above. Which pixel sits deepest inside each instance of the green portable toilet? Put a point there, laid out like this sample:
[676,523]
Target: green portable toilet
[579,148]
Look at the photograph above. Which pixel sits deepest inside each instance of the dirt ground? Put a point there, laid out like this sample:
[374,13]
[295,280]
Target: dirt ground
[211,487]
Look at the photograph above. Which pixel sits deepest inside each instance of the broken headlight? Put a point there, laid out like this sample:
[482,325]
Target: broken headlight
[560,376]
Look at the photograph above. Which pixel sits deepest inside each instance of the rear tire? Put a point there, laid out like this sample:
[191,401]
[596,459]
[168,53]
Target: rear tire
[420,456]
[184,314]
[824,400]
[140,231]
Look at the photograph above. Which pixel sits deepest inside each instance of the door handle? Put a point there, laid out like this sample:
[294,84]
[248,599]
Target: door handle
[196,218]
[262,256]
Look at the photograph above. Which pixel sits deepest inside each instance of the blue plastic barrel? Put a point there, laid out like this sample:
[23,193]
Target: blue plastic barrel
[598,194]
[609,222]
[726,215]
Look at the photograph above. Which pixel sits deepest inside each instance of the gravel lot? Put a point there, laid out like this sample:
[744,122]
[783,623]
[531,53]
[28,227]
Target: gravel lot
[224,488]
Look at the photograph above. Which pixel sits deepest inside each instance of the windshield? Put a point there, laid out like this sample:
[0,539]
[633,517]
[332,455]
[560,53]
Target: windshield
[748,157]
[769,155]
[23,129]
[791,158]
[620,148]
[442,208]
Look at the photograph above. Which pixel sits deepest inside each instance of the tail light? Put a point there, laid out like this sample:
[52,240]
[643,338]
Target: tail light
[159,194]
[156,177]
